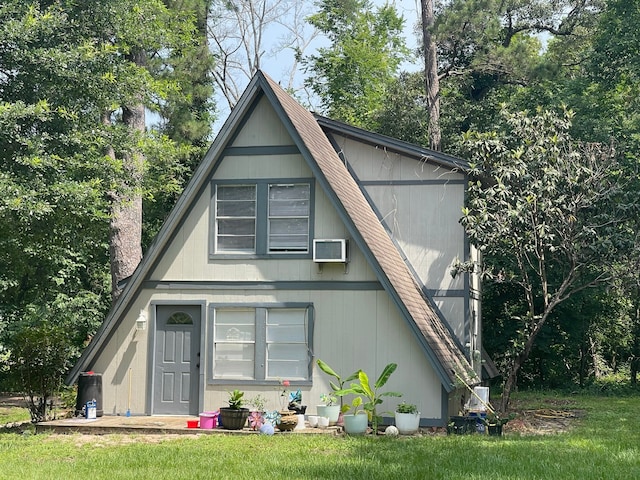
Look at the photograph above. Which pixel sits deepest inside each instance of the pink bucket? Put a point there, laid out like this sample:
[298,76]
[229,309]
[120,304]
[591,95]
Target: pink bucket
[208,420]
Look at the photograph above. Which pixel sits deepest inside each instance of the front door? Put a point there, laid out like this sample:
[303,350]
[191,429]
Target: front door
[177,359]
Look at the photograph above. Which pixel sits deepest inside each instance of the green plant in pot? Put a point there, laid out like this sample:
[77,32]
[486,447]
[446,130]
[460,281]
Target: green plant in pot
[329,408]
[235,415]
[339,381]
[407,418]
[494,422]
[356,423]
[372,394]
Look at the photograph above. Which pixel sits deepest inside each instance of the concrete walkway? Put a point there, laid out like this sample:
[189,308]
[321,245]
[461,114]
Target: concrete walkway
[153,425]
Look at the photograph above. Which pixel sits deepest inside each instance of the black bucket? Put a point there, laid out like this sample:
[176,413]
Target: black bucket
[89,388]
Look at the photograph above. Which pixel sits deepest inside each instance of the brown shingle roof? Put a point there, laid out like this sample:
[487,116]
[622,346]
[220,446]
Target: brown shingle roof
[396,276]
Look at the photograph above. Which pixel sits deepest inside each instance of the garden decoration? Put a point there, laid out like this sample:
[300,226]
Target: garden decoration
[267,429]
[256,420]
[283,394]
[329,408]
[295,402]
[272,418]
[357,422]
[407,418]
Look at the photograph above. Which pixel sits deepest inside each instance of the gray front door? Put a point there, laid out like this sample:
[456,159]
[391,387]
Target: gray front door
[177,359]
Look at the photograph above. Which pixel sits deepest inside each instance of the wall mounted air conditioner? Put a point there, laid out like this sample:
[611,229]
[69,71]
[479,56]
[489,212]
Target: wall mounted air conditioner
[331,250]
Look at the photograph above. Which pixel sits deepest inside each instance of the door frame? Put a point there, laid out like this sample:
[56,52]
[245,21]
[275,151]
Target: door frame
[151,346]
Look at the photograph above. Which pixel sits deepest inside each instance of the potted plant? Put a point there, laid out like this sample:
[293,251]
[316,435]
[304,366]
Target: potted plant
[407,418]
[356,423]
[339,383]
[256,416]
[234,416]
[494,423]
[329,408]
[372,395]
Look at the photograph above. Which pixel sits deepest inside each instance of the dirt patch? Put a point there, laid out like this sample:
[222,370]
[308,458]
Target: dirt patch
[544,421]
[12,400]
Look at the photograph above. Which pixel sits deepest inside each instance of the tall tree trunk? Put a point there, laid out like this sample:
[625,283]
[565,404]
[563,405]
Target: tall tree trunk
[512,377]
[125,233]
[432,82]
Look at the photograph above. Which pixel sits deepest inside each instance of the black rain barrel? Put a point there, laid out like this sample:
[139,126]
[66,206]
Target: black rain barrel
[89,388]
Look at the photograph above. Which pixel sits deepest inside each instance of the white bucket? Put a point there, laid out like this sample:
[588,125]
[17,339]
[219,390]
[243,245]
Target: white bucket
[479,404]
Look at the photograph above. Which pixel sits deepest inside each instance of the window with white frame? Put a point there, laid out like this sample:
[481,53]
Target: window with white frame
[265,218]
[236,218]
[265,343]
[289,218]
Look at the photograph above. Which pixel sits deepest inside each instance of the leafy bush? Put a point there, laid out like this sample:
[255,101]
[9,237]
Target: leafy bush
[39,356]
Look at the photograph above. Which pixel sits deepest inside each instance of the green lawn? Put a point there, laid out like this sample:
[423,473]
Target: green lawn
[603,444]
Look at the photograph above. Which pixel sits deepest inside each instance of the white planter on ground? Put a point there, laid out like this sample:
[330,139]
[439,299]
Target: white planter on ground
[407,423]
[331,411]
[356,424]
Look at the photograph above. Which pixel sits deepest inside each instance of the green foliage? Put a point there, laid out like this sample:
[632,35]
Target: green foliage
[40,354]
[65,66]
[236,399]
[371,393]
[550,213]
[352,76]
[407,408]
[335,386]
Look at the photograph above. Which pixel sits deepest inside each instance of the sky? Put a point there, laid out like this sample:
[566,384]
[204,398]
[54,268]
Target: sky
[278,62]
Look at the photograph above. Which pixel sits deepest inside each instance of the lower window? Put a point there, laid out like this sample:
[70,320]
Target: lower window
[262,343]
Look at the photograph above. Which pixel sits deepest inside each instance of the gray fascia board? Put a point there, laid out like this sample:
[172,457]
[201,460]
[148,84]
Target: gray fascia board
[200,177]
[392,143]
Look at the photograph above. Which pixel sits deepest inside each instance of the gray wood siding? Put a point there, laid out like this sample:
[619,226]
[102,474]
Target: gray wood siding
[353,330]
[423,221]
[187,257]
[263,127]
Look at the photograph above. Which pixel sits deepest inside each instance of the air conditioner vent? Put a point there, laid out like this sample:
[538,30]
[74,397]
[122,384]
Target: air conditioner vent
[330,250]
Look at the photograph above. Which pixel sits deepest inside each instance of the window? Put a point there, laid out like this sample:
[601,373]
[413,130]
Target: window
[180,318]
[264,343]
[266,218]
[236,218]
[289,218]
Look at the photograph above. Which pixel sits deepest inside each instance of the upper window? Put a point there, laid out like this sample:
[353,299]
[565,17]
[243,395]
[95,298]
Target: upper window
[263,218]
[236,218]
[289,218]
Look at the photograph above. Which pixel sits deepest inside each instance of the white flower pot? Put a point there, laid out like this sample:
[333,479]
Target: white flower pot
[331,411]
[356,424]
[323,422]
[407,423]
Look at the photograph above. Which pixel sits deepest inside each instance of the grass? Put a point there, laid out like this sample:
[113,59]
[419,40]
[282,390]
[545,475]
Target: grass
[604,444]
[10,414]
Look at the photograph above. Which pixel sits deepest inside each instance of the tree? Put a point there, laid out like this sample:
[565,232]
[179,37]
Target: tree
[238,31]
[352,76]
[432,80]
[549,212]
[64,77]
[486,52]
